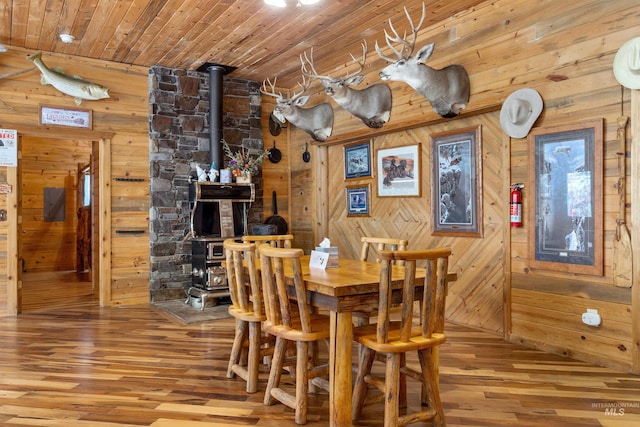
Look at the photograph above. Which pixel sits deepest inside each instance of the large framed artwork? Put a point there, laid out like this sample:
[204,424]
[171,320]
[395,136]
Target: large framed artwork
[357,160]
[456,182]
[399,171]
[565,218]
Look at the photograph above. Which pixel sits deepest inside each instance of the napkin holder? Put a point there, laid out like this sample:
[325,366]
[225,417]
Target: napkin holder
[333,255]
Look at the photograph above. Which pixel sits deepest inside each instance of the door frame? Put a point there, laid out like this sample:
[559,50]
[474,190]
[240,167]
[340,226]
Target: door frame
[101,256]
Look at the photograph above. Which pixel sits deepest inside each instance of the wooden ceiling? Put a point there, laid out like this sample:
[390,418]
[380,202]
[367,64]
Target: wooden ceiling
[260,40]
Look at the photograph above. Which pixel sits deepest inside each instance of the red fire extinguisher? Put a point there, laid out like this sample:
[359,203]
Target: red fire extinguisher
[516,205]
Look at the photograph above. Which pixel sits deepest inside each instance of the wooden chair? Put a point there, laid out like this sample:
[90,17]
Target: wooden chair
[395,339]
[275,240]
[248,309]
[378,244]
[291,321]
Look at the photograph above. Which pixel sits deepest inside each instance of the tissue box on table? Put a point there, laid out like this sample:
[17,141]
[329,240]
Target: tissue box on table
[333,255]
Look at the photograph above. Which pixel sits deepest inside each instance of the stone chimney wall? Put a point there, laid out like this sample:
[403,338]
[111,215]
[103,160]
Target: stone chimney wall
[178,141]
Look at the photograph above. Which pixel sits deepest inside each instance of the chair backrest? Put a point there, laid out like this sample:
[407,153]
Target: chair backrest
[431,317]
[381,243]
[242,277]
[274,262]
[275,240]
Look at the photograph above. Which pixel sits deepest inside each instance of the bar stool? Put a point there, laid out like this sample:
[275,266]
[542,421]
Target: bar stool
[395,339]
[375,245]
[291,321]
[248,309]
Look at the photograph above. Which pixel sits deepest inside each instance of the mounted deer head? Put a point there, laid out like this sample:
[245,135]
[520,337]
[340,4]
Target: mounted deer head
[447,89]
[316,121]
[372,105]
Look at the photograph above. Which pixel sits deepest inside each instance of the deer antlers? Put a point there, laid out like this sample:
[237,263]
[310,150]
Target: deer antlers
[271,92]
[304,59]
[400,53]
[304,86]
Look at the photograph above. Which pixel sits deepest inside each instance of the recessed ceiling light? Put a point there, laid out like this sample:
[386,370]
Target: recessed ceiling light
[3,48]
[67,38]
[276,3]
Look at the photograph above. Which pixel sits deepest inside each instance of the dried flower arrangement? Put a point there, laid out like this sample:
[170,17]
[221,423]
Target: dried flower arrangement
[241,163]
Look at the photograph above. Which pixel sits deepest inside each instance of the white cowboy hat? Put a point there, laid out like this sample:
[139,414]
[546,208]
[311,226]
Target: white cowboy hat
[626,64]
[519,111]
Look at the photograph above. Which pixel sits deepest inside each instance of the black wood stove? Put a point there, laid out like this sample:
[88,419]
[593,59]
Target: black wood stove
[219,212]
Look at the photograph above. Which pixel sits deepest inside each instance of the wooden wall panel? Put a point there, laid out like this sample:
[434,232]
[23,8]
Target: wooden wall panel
[565,51]
[477,296]
[275,176]
[50,246]
[123,119]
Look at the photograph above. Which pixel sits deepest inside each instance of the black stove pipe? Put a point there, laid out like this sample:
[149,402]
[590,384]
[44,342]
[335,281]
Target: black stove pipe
[216,154]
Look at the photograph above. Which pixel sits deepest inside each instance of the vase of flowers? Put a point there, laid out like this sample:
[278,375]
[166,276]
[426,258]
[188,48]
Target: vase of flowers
[243,165]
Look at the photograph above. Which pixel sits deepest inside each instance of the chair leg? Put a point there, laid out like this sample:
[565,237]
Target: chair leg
[302,381]
[313,360]
[430,373]
[402,400]
[361,320]
[253,361]
[238,344]
[392,385]
[276,369]
[365,363]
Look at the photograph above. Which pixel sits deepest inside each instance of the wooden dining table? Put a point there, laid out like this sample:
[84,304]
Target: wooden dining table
[349,287]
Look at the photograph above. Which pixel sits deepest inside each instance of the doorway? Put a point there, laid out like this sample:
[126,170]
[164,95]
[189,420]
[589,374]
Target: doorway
[53,209]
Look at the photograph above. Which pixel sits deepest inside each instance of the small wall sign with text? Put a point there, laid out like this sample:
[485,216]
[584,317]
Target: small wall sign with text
[57,116]
[8,147]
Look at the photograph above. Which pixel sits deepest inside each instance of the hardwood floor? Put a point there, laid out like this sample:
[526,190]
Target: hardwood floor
[59,289]
[82,365]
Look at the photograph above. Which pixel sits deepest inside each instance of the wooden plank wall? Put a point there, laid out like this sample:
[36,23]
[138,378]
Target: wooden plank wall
[276,176]
[50,246]
[123,119]
[564,50]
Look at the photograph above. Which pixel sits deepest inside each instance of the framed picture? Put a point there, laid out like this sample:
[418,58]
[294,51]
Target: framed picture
[72,117]
[358,200]
[456,182]
[357,160]
[565,217]
[399,171]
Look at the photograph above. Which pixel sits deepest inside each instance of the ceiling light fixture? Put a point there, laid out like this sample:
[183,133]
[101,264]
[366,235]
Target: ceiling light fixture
[3,48]
[283,3]
[276,3]
[67,38]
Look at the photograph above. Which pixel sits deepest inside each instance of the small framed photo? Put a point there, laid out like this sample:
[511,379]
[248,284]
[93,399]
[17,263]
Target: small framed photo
[72,117]
[358,200]
[456,182]
[399,171]
[566,180]
[357,160]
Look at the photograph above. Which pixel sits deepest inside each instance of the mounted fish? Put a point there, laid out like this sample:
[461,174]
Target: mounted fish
[372,105]
[70,85]
[447,89]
